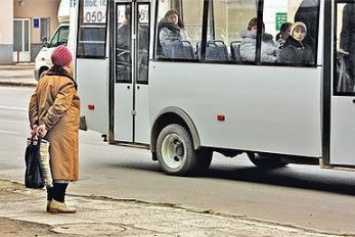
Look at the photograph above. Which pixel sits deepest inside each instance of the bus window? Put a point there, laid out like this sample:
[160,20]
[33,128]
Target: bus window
[192,16]
[307,13]
[345,50]
[300,48]
[215,49]
[143,42]
[232,31]
[123,47]
[91,32]
[238,15]
[228,36]
[178,30]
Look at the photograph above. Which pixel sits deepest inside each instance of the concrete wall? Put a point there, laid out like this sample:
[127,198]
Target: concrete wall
[31,9]
[38,9]
[6,28]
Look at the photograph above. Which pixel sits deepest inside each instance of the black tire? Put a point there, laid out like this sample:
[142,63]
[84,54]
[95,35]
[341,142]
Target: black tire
[266,161]
[204,159]
[176,153]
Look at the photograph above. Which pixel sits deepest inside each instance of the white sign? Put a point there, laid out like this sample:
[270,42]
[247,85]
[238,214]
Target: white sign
[143,13]
[95,11]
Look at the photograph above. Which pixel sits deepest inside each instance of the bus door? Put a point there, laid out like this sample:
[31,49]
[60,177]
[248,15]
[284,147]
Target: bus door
[342,121]
[130,69]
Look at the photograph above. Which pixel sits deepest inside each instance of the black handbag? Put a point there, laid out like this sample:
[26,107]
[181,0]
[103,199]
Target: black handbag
[34,177]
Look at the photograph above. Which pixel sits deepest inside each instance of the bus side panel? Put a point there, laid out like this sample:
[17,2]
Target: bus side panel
[266,108]
[93,91]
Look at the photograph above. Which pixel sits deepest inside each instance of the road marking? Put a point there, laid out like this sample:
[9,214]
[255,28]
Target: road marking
[8,132]
[13,108]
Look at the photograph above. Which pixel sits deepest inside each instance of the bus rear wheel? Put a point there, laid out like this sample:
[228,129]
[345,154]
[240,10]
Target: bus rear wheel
[176,153]
[266,161]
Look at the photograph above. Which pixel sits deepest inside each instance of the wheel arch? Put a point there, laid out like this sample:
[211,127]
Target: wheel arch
[170,115]
[42,69]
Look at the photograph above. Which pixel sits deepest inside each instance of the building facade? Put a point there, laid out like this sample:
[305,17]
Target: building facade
[23,25]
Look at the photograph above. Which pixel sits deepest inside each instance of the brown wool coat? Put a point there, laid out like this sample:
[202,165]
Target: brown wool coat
[56,104]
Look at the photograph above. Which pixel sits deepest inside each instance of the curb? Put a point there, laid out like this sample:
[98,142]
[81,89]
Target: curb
[16,67]
[15,77]
[23,84]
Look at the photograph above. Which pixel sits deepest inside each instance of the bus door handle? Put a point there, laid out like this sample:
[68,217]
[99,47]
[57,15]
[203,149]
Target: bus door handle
[128,87]
[354,101]
[138,87]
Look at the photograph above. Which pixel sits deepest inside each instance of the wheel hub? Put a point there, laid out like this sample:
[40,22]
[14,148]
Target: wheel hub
[179,149]
[173,151]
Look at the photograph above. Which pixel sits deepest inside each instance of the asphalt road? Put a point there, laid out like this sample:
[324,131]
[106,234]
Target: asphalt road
[297,195]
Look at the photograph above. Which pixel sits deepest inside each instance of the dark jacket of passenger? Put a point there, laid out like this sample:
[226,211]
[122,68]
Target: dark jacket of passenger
[308,14]
[295,52]
[124,36]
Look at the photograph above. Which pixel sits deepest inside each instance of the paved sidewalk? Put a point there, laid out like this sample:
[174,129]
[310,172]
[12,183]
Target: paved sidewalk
[17,75]
[104,216]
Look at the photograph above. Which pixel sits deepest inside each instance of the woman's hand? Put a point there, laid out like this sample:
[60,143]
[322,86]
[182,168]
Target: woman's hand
[41,130]
[34,130]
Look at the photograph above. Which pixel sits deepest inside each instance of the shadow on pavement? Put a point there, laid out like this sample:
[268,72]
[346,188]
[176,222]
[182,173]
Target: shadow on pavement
[296,176]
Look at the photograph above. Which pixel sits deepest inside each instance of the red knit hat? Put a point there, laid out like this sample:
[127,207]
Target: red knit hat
[61,56]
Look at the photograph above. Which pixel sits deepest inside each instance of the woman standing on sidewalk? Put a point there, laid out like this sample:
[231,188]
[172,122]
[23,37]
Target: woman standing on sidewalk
[54,113]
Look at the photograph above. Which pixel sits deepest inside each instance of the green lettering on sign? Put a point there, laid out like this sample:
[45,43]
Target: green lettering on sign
[281,17]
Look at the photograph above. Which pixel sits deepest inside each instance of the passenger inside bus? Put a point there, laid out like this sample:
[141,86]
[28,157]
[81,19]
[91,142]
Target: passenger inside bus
[124,31]
[294,50]
[171,28]
[123,49]
[248,44]
[171,32]
[347,37]
[308,14]
[284,33]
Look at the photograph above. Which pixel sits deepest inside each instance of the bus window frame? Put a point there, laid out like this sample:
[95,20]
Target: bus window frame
[335,40]
[80,26]
[138,82]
